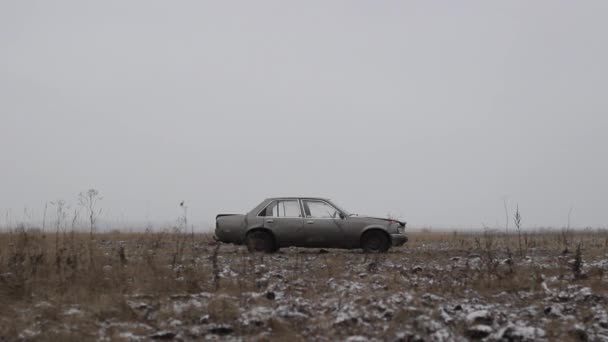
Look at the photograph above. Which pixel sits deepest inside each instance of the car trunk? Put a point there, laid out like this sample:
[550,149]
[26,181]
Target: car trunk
[229,227]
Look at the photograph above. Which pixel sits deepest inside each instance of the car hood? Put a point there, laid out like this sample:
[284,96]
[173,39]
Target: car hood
[371,218]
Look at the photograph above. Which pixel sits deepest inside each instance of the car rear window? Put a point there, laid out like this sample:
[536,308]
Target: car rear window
[286,208]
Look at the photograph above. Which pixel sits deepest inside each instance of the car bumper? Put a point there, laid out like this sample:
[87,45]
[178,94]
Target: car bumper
[398,239]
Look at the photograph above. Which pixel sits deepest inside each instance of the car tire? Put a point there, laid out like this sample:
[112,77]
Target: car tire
[260,242]
[375,241]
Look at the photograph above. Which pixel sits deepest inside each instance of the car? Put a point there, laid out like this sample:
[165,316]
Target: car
[307,222]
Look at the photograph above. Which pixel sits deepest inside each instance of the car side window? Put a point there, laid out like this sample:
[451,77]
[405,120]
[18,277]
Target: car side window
[285,208]
[317,209]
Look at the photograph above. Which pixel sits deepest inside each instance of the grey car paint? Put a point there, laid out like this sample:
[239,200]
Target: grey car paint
[343,231]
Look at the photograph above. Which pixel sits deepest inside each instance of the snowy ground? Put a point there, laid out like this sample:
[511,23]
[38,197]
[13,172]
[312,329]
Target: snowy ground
[433,291]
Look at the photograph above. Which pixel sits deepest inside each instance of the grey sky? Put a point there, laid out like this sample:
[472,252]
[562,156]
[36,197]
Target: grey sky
[431,111]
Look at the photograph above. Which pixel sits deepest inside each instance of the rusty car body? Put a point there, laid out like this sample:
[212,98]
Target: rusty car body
[307,222]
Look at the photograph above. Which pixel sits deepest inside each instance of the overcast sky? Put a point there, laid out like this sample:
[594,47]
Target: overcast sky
[430,111]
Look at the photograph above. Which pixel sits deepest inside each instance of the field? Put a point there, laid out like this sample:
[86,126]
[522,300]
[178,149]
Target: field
[542,285]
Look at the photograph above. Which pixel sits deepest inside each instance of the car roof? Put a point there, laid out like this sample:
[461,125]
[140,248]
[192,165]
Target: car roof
[296,197]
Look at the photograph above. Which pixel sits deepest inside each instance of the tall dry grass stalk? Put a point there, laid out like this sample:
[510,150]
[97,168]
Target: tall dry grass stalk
[517,220]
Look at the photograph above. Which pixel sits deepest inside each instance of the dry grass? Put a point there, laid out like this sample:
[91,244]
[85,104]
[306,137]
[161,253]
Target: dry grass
[114,286]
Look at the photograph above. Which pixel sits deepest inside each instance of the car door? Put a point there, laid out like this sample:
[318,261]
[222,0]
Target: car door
[284,218]
[323,225]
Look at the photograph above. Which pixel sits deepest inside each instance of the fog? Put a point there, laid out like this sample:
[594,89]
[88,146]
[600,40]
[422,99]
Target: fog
[434,112]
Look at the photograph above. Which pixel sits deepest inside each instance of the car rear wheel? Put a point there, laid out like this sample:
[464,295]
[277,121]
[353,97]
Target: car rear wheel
[260,241]
[375,242]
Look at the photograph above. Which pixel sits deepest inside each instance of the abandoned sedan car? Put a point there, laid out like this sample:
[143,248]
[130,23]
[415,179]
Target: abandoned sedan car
[307,222]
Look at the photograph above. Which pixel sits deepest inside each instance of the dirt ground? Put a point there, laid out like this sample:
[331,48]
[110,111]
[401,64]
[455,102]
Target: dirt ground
[548,285]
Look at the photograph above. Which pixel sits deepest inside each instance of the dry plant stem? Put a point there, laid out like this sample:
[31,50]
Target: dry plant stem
[216,269]
[577,265]
[517,219]
[44,216]
[89,201]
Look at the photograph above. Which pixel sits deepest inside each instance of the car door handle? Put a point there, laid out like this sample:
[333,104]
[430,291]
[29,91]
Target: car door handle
[310,222]
[269,221]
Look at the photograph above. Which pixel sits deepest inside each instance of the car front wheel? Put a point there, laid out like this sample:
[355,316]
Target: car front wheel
[375,242]
[260,241]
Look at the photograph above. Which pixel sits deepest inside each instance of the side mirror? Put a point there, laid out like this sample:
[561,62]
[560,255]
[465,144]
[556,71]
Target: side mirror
[342,216]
